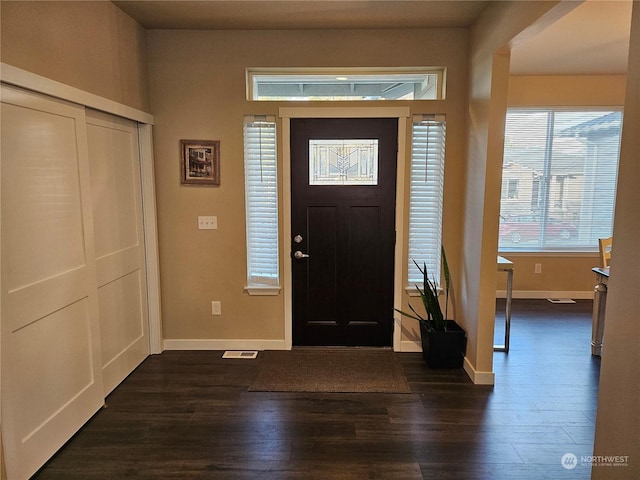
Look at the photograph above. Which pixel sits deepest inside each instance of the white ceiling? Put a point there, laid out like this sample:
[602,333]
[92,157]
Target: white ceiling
[302,14]
[591,39]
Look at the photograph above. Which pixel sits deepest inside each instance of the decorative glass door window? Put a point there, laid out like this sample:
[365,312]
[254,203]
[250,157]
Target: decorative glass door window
[343,162]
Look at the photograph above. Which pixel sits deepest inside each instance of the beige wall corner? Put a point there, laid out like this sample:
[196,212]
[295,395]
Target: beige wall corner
[499,24]
[618,417]
[3,472]
[566,90]
[51,40]
[482,209]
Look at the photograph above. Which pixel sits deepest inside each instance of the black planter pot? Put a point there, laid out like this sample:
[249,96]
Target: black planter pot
[444,349]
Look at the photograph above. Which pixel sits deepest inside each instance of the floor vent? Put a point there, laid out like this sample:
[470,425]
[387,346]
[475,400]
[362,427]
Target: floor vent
[248,354]
[561,300]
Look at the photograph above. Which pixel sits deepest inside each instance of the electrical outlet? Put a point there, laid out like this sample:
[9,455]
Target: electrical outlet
[216,308]
[538,268]
[207,222]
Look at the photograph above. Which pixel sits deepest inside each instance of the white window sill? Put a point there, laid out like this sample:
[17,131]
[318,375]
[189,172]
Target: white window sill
[262,290]
[413,291]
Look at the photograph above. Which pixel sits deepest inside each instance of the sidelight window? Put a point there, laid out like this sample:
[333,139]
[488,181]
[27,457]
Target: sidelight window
[425,208]
[261,204]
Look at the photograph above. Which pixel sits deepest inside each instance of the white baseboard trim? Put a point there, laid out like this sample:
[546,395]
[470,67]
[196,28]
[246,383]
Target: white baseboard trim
[411,346]
[215,344]
[478,378]
[535,294]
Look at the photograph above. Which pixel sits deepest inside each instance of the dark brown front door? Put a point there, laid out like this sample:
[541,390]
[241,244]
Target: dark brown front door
[343,184]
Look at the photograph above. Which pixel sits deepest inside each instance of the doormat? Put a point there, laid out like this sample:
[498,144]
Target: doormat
[330,370]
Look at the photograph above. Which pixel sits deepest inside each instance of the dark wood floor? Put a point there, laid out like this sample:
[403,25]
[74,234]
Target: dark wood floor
[188,415]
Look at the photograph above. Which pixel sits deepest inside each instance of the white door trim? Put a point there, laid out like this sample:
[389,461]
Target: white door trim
[150,229]
[286,114]
[37,83]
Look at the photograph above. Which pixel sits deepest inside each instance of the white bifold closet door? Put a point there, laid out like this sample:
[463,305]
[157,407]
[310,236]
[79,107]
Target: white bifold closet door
[119,245]
[51,372]
[74,299]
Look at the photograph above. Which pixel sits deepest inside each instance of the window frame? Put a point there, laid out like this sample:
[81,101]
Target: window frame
[261,251]
[426,195]
[540,196]
[254,74]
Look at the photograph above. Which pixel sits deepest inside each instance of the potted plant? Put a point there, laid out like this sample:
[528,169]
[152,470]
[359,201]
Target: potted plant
[444,342]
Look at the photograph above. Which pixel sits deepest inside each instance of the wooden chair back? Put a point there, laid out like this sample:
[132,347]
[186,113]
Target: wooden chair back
[605,251]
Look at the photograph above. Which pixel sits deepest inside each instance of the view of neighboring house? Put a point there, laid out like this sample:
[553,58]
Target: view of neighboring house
[559,167]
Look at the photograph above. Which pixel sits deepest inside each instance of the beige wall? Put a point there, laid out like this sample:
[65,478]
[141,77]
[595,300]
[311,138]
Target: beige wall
[567,90]
[198,92]
[618,418]
[92,46]
[564,274]
[499,23]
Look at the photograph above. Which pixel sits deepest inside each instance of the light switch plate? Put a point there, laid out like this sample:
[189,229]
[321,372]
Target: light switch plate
[216,307]
[207,222]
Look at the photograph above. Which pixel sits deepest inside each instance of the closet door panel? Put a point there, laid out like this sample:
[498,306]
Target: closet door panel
[119,240]
[51,373]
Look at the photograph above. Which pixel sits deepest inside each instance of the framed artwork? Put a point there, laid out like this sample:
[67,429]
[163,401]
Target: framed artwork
[200,162]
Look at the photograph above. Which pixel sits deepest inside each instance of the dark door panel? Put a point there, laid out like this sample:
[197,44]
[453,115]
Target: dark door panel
[343,290]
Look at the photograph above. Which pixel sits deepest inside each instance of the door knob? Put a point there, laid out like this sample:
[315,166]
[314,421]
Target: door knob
[298,254]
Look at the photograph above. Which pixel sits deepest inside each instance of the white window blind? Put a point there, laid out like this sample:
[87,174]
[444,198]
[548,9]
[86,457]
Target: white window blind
[261,197]
[565,165]
[425,208]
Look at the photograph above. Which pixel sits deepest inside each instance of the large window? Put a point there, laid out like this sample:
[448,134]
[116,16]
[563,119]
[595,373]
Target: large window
[261,192]
[425,208]
[558,179]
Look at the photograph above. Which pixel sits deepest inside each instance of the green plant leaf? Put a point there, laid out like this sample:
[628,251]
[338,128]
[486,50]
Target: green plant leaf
[435,319]
[419,318]
[447,279]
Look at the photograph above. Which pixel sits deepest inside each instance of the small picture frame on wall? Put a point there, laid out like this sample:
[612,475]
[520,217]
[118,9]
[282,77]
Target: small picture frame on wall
[200,162]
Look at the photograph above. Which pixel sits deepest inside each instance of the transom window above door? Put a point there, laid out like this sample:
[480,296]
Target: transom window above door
[351,84]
